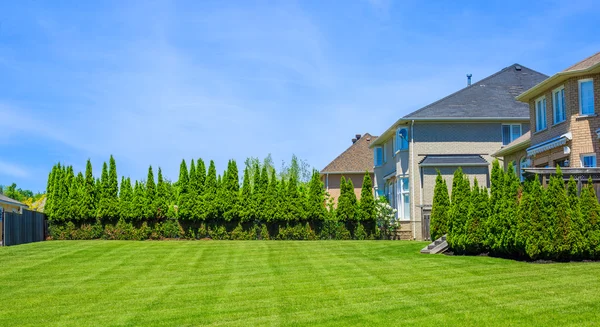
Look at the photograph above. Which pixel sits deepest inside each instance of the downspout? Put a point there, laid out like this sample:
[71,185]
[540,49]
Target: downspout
[412,171]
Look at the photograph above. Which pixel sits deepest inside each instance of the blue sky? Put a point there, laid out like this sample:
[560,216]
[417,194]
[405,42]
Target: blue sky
[152,82]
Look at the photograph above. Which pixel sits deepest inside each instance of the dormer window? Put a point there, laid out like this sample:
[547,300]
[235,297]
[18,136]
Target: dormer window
[540,114]
[401,139]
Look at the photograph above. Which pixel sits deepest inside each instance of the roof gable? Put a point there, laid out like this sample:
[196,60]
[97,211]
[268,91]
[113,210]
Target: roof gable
[357,158]
[491,97]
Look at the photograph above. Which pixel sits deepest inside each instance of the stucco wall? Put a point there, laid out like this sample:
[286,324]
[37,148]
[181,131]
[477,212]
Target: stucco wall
[333,186]
[10,207]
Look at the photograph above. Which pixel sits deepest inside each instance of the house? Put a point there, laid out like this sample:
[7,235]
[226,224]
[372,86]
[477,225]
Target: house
[9,205]
[565,125]
[352,164]
[461,130]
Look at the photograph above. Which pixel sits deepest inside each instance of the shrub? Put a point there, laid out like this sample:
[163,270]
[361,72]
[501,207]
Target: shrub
[360,233]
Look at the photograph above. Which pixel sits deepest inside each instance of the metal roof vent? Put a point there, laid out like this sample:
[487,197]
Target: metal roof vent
[517,67]
[469,79]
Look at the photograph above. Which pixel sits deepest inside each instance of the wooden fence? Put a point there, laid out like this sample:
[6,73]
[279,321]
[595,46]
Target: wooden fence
[28,227]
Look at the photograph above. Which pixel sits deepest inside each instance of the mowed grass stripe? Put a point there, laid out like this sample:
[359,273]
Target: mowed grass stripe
[330,283]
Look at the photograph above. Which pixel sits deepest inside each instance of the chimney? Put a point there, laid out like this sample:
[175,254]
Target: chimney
[469,79]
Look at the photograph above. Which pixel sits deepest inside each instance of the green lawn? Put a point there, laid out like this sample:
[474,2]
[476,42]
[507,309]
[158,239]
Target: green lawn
[333,283]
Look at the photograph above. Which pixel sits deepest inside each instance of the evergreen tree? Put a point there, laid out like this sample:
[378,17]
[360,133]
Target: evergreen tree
[507,216]
[200,175]
[138,202]
[576,242]
[496,195]
[535,229]
[263,214]
[57,193]
[315,209]
[231,191]
[193,193]
[113,190]
[49,193]
[558,223]
[126,200]
[183,193]
[103,194]
[161,202]
[346,209]
[440,208]
[281,214]
[590,211]
[271,199]
[89,202]
[257,198]
[150,195]
[245,201]
[459,211]
[76,196]
[478,212]
[210,193]
[367,200]
[296,207]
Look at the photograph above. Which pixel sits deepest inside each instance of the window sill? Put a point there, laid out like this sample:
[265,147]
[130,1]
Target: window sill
[559,123]
[540,131]
[581,117]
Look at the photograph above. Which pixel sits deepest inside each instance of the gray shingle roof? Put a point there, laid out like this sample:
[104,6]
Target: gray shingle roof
[436,160]
[491,97]
[6,199]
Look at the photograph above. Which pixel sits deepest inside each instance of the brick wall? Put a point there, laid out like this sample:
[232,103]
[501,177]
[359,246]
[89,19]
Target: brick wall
[583,129]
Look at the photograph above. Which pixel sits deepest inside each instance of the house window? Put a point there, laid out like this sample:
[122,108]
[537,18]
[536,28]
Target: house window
[390,193]
[559,105]
[401,139]
[586,97]
[522,165]
[403,198]
[540,114]
[378,155]
[385,150]
[588,160]
[510,133]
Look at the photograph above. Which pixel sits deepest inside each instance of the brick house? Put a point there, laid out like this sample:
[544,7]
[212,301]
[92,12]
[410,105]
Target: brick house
[565,125]
[462,129]
[352,164]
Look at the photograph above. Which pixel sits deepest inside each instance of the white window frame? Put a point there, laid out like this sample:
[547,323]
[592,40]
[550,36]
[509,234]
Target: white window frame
[588,155]
[399,144]
[559,107]
[581,81]
[400,203]
[511,132]
[541,100]
[377,159]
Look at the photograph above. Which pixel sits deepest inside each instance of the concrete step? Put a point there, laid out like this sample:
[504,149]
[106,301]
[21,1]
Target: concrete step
[438,246]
